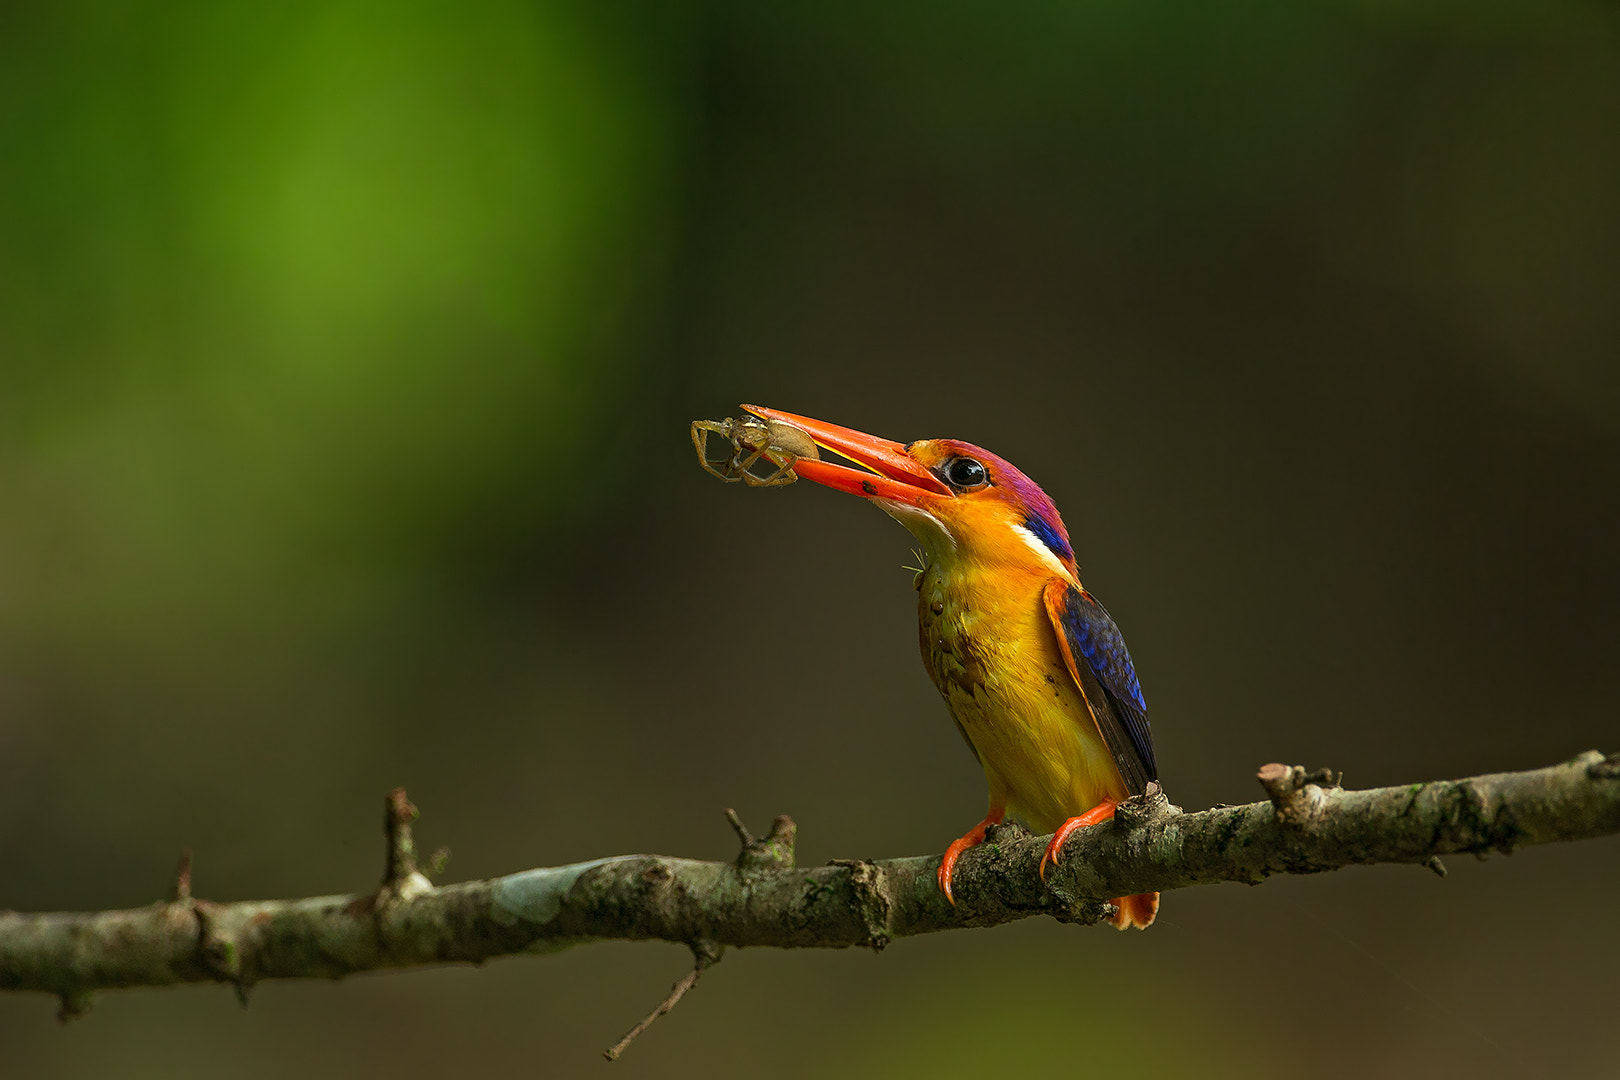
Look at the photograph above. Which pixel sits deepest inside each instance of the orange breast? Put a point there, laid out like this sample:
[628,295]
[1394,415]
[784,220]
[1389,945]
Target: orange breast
[991,650]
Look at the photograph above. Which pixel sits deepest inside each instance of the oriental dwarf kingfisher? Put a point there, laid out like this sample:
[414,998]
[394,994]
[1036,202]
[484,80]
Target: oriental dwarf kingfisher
[1034,671]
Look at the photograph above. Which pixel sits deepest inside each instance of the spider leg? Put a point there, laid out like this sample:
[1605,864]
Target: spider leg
[737,464]
[784,473]
[701,430]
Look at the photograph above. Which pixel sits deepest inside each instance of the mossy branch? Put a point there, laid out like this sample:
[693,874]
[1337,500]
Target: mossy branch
[1307,825]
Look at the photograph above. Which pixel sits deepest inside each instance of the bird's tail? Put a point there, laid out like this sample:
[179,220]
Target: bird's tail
[1137,911]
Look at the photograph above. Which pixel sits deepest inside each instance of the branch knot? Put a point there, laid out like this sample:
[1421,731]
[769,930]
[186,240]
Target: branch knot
[1144,809]
[771,852]
[1296,795]
[869,884]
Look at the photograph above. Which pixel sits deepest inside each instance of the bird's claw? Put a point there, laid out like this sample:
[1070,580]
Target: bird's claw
[972,838]
[1101,812]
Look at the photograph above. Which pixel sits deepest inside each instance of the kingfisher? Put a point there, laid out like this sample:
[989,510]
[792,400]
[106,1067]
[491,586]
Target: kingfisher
[1033,669]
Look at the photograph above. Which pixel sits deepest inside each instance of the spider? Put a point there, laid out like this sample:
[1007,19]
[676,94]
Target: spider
[751,439]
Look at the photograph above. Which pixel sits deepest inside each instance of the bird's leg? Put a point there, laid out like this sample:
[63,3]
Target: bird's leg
[973,838]
[1101,812]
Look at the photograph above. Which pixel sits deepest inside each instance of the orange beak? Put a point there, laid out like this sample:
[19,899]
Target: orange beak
[894,474]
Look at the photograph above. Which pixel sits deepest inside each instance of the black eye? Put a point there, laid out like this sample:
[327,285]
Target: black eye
[964,472]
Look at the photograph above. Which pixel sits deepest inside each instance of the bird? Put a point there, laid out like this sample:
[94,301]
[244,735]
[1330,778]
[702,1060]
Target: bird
[1033,669]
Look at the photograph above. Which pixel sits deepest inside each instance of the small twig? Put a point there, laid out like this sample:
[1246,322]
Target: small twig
[743,834]
[401,862]
[704,956]
[401,878]
[182,878]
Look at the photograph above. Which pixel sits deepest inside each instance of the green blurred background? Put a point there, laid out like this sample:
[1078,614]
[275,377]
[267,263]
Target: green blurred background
[346,357]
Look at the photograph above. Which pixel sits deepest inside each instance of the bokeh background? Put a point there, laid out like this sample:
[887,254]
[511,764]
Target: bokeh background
[347,352]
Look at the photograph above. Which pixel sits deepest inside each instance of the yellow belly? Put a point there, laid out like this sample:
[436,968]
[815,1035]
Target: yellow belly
[993,654]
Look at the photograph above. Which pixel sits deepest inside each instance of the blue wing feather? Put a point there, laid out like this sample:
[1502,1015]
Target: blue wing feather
[1095,641]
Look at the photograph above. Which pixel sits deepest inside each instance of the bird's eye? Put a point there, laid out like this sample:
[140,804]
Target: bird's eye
[964,472]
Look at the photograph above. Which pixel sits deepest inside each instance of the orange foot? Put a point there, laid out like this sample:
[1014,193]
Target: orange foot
[1101,812]
[1138,911]
[973,838]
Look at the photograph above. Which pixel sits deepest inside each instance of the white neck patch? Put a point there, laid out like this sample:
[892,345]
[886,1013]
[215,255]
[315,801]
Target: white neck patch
[1040,549]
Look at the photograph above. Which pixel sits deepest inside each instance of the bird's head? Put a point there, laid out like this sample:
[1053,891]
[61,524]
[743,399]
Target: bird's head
[956,498]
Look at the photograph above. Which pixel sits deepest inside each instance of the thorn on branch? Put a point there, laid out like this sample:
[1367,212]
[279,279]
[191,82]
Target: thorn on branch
[705,954]
[771,852]
[75,1003]
[182,878]
[1296,794]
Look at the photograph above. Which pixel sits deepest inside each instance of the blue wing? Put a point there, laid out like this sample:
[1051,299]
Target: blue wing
[1101,665]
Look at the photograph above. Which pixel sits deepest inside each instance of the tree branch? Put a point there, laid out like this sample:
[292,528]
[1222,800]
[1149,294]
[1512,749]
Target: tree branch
[1308,825]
